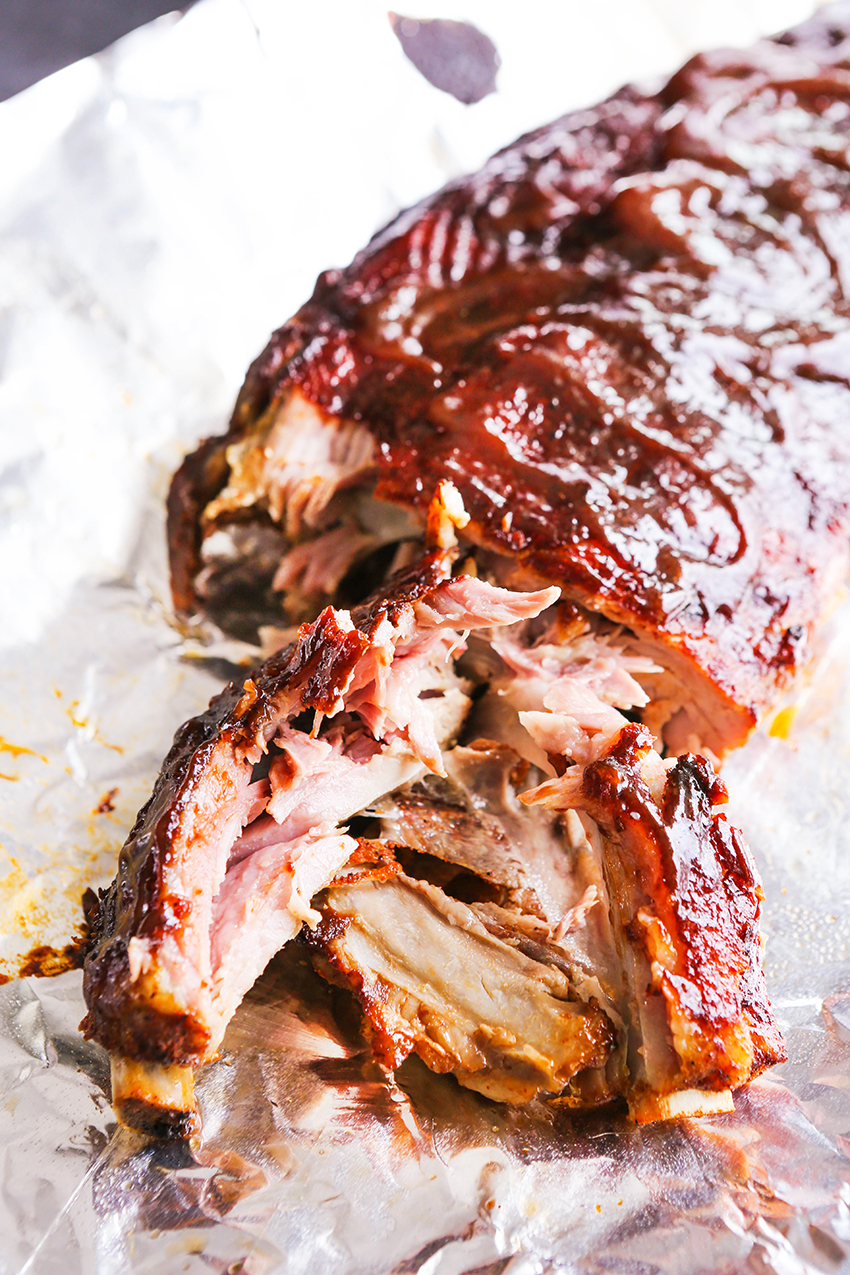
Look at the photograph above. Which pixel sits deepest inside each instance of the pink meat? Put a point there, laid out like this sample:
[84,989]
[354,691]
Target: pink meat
[359,705]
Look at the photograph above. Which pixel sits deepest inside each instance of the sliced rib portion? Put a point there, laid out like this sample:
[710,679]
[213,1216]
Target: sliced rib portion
[522,915]
[685,902]
[434,979]
[247,820]
[647,901]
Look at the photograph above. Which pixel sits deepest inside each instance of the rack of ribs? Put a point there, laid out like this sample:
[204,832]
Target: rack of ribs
[561,462]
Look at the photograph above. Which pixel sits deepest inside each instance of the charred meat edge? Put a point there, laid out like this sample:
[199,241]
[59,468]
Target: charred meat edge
[685,900]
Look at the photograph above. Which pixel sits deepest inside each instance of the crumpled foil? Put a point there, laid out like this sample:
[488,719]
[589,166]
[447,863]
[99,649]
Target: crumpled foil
[162,207]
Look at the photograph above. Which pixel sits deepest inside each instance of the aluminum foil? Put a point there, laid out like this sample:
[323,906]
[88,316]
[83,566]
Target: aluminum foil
[162,207]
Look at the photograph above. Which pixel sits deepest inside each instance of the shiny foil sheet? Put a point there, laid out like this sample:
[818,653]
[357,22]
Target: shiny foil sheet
[162,207]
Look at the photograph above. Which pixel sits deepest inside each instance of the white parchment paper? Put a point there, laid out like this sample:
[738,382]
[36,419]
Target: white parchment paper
[162,208]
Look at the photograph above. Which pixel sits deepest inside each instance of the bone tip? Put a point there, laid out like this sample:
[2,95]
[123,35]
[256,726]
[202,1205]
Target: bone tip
[154,1098]
[691,1103]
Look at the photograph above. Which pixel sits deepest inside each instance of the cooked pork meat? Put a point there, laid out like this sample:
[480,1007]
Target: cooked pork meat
[432,977]
[651,907]
[246,822]
[685,901]
[502,936]
[472,819]
[620,354]
[626,341]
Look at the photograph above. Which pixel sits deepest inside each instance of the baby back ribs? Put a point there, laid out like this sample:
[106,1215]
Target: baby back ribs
[620,355]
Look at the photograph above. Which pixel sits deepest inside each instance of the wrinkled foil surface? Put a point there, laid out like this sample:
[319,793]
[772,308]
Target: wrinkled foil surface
[162,207]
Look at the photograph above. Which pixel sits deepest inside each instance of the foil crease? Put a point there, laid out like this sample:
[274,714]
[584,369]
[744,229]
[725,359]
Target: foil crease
[162,207]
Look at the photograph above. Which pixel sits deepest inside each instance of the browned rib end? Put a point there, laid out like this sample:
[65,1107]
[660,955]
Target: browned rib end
[154,1099]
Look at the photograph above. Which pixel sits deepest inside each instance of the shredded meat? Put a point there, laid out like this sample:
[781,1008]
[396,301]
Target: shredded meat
[650,903]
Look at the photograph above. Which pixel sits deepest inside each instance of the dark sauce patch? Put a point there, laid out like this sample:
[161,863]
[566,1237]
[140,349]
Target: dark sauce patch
[44,961]
[107,803]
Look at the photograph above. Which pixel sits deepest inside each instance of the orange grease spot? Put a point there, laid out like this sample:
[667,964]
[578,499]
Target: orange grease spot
[780,727]
[17,750]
